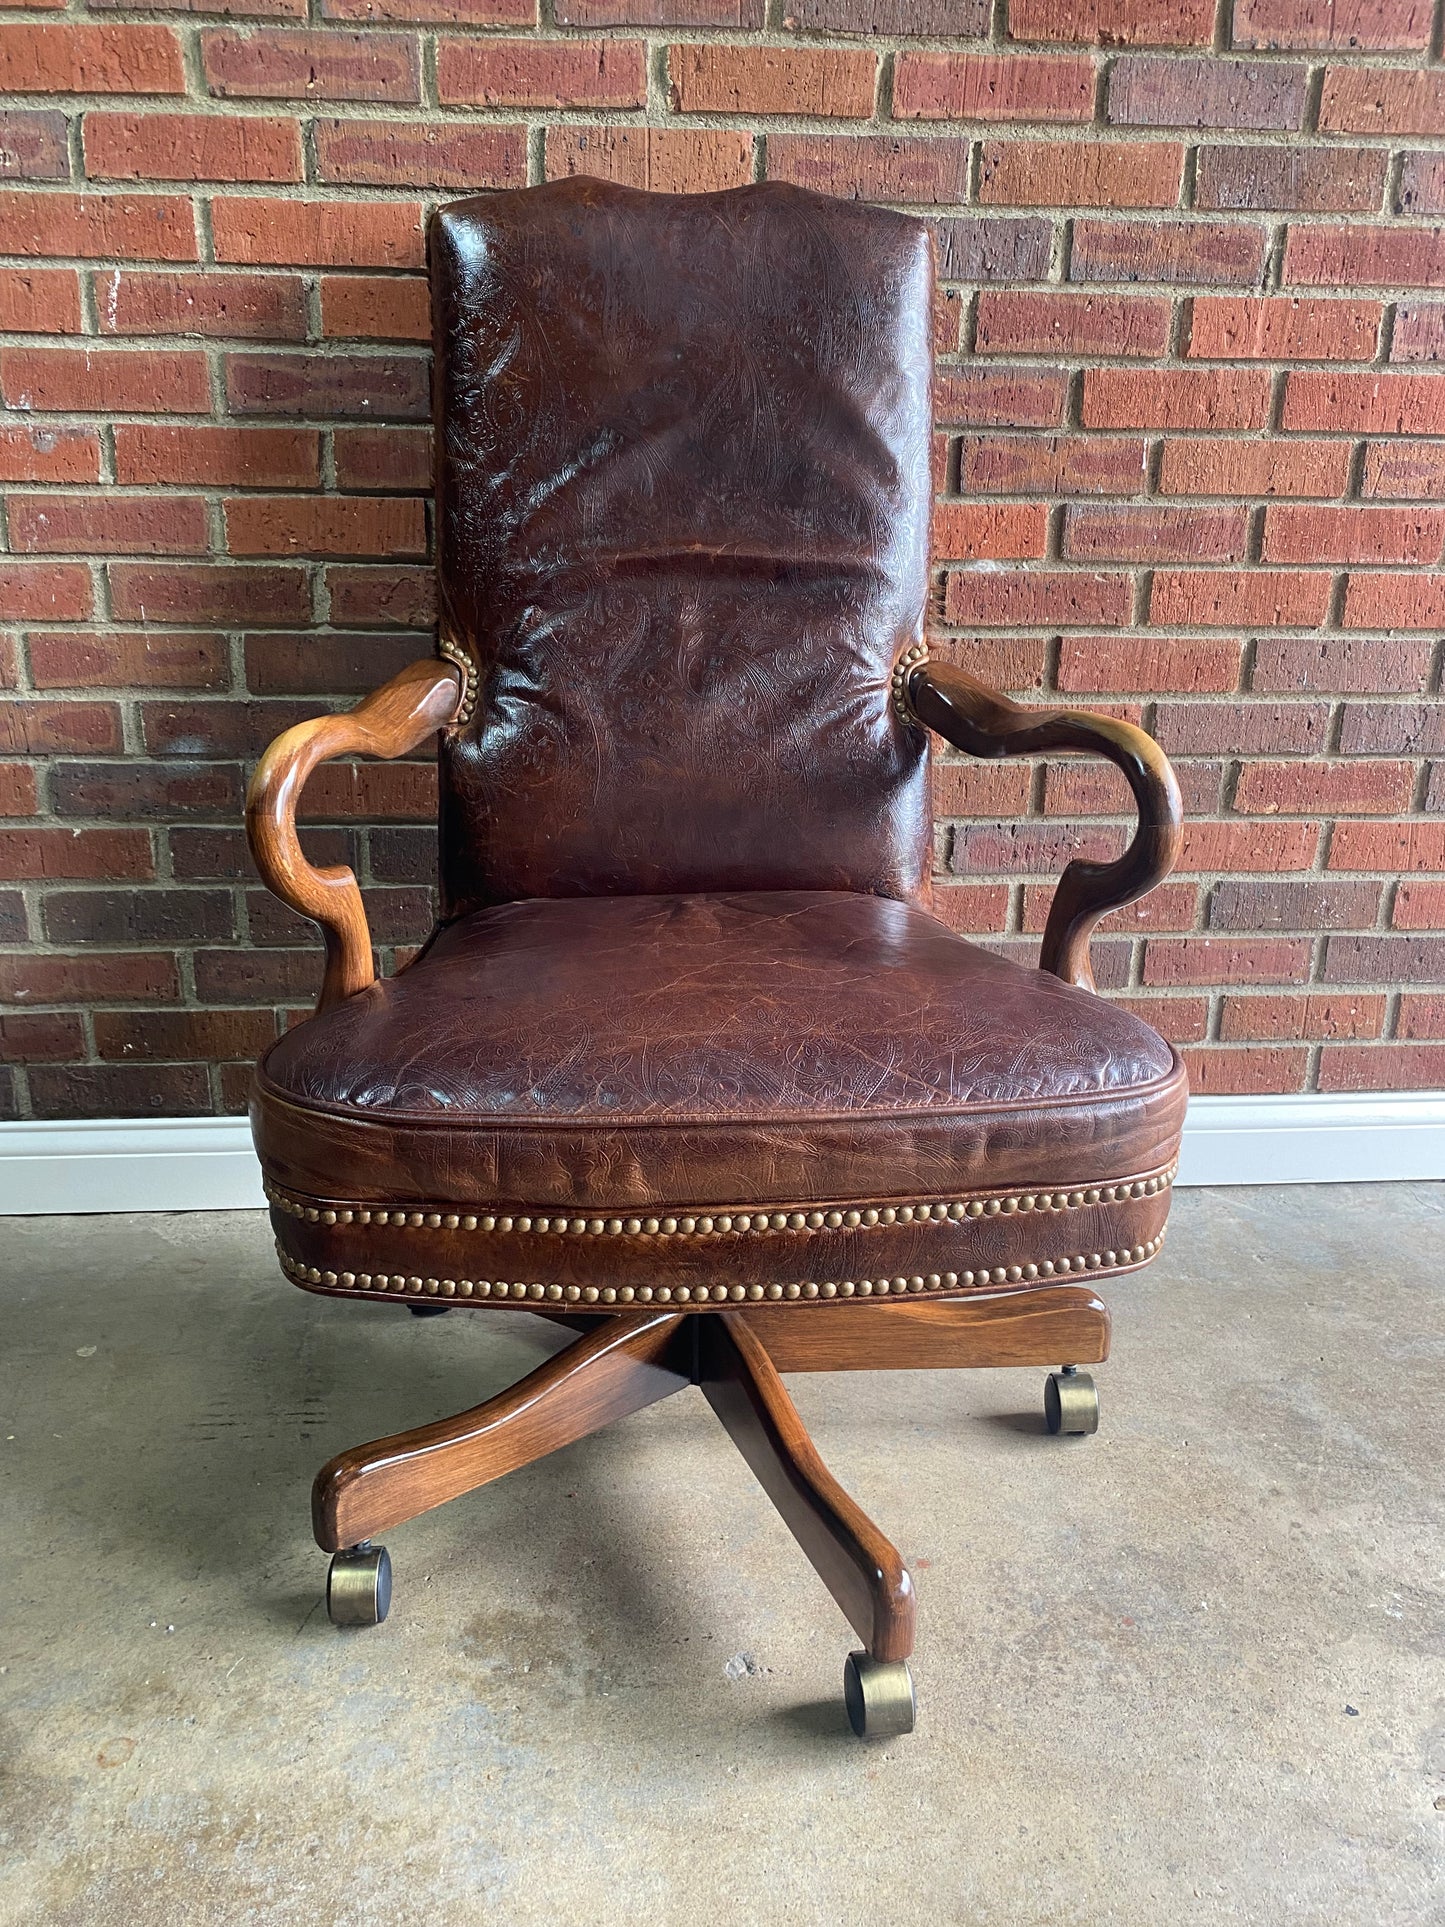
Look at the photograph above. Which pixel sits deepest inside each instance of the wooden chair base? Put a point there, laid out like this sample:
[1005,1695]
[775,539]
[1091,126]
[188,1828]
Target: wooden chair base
[622,1362]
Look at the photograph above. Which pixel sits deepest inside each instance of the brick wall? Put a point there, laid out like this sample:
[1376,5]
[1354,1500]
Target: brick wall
[1191,450]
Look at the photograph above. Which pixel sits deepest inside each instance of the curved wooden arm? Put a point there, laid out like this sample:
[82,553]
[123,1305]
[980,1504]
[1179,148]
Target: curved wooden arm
[391,721]
[973,718]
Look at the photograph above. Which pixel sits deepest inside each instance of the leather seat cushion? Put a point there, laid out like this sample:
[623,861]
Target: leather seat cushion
[766,1089]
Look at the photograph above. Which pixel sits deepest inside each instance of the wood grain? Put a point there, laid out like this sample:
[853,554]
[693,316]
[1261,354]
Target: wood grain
[1040,1325]
[630,1362]
[980,722]
[861,1569]
[390,722]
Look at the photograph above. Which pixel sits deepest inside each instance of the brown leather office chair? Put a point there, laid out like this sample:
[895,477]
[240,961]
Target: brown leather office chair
[687,1063]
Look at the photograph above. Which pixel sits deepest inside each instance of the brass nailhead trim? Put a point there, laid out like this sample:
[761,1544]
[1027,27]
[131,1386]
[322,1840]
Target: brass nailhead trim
[453,653]
[399,1284]
[735,1224]
[910,659]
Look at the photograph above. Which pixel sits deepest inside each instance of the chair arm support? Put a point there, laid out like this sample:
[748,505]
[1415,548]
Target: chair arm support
[391,721]
[975,719]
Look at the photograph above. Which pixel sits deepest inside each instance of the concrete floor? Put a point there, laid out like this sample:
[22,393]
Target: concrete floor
[1188,1670]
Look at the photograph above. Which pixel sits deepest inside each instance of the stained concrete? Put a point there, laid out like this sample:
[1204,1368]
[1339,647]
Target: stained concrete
[1188,1670]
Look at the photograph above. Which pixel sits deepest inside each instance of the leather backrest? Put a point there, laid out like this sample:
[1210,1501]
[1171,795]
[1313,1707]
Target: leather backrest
[683,490]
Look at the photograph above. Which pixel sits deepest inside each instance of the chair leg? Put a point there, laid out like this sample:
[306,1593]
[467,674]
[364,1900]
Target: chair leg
[1038,1325]
[630,1362]
[860,1568]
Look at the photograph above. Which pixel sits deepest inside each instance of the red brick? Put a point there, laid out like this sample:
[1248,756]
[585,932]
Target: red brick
[1025,87]
[1352,788]
[1335,257]
[105,380]
[1354,26]
[284,64]
[369,525]
[168,1036]
[1382,1067]
[1257,328]
[1125,534]
[1365,403]
[193,593]
[98,227]
[379,598]
[1392,729]
[1016,849]
[396,458]
[1251,728]
[235,9]
[664,160]
[90,60]
[1419,906]
[108,524]
[326,234]
[1176,398]
[1349,666]
[1300,1018]
[1421,1014]
[1009,531]
[1419,332]
[766,80]
[991,247]
[136,791]
[127,976]
[212,729]
[1045,596]
[41,855]
[269,307]
[1078,789]
[1216,1072]
[348,663]
[872,167]
[1382,601]
[475,13]
[1382,960]
[71,659]
[1210,252]
[1300,903]
[976,909]
[217,457]
[120,1090]
[1169,906]
[536,73]
[34,144]
[1114,23]
[981,789]
[1294,534]
[34,728]
[1197,467]
[1382,100]
[40,301]
[1100,665]
[419,153]
[965,17]
[44,591]
[1014,663]
[369,792]
[1226,960]
[1086,173]
[376,387]
[1178,1020]
[19,791]
[1243,598]
[1000,397]
[1409,471]
[191,147]
[375,307]
[49,454]
[1053,464]
[1422,184]
[1014,322]
[1210,849]
[1312,180]
[1147,90]
[40,1037]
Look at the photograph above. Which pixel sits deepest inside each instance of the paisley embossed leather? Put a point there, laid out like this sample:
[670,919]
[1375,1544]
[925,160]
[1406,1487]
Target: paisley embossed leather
[682,521]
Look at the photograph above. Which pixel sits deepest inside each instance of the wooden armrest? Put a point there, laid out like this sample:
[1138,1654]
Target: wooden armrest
[975,719]
[391,721]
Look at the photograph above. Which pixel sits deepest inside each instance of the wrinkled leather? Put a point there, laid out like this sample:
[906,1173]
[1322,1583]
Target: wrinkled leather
[626,1053]
[682,521]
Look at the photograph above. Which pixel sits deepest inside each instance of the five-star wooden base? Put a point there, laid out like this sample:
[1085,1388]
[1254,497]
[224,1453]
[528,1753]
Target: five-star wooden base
[624,1361]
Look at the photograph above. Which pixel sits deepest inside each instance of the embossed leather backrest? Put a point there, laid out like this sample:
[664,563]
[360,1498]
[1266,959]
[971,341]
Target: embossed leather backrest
[683,489]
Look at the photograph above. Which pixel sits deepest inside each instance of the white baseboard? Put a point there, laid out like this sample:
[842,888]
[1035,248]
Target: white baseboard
[207,1164]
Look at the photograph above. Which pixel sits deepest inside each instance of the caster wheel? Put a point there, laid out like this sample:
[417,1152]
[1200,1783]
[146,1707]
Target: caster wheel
[1071,1403]
[428,1311]
[358,1586]
[878,1694]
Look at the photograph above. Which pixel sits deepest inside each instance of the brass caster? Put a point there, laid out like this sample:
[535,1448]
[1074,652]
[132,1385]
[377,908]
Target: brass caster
[1071,1403]
[428,1311]
[358,1586]
[878,1694]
